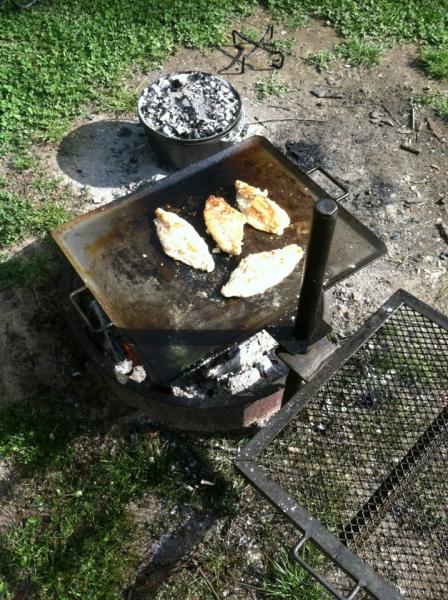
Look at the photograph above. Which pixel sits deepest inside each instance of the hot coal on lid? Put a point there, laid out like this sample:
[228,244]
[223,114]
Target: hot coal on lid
[189,105]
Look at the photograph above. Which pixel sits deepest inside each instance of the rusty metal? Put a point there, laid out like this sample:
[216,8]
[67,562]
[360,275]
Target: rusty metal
[73,299]
[174,315]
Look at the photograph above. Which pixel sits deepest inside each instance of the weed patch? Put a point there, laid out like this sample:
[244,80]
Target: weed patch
[284,46]
[288,10]
[266,87]
[21,217]
[436,100]
[321,60]
[288,581]
[360,52]
[19,271]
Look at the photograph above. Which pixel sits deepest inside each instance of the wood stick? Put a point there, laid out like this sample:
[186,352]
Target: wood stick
[391,114]
[207,581]
[262,121]
[279,107]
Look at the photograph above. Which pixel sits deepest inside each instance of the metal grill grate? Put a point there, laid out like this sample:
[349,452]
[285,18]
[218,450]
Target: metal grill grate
[364,450]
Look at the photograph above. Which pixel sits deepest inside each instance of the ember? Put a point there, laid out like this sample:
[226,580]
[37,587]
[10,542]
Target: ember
[189,105]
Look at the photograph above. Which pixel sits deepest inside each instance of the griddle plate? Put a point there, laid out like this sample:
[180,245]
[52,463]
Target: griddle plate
[173,313]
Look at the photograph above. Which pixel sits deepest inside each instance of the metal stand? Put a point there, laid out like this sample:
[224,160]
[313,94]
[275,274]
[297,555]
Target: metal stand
[278,57]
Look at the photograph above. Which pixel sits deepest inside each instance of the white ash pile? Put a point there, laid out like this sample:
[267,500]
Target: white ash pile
[249,368]
[189,106]
[246,369]
[124,368]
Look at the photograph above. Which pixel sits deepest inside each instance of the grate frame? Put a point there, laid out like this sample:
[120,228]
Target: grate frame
[312,529]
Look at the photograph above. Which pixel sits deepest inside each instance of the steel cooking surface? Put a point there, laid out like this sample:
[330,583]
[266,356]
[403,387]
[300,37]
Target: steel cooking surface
[175,314]
[368,453]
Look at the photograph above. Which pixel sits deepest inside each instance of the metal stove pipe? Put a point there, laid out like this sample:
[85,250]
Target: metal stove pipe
[325,213]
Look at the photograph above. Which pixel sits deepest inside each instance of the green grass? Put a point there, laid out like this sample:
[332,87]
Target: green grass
[60,57]
[440,104]
[269,86]
[436,100]
[252,32]
[23,161]
[435,61]
[321,60]
[76,537]
[283,45]
[21,217]
[360,52]
[290,11]
[400,20]
[20,271]
[287,580]
[382,20]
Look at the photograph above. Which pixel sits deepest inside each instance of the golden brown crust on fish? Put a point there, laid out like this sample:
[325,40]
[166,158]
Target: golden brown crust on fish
[181,241]
[225,224]
[258,272]
[261,212]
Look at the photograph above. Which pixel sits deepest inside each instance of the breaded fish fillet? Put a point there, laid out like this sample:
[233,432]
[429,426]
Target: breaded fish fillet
[181,241]
[258,272]
[260,212]
[225,224]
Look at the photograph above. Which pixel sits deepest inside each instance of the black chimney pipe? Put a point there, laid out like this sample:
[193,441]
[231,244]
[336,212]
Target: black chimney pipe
[325,213]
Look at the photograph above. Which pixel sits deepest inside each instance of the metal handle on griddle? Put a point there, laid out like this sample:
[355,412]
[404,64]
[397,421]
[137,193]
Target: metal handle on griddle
[333,179]
[76,306]
[320,578]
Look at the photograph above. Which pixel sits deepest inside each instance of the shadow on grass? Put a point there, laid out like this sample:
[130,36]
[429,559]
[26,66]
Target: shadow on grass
[75,533]
[29,266]
[72,478]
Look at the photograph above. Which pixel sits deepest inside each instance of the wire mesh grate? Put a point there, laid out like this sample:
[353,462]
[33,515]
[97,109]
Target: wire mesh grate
[367,456]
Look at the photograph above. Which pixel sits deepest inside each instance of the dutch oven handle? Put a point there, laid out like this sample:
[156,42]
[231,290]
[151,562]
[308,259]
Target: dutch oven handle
[320,578]
[333,179]
[72,297]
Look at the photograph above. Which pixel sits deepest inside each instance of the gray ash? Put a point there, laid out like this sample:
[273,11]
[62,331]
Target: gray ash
[249,368]
[189,105]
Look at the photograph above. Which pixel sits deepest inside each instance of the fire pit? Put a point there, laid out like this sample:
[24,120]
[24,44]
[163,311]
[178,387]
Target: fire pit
[190,115]
[147,311]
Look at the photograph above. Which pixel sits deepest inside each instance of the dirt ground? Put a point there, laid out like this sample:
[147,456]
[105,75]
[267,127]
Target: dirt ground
[400,195]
